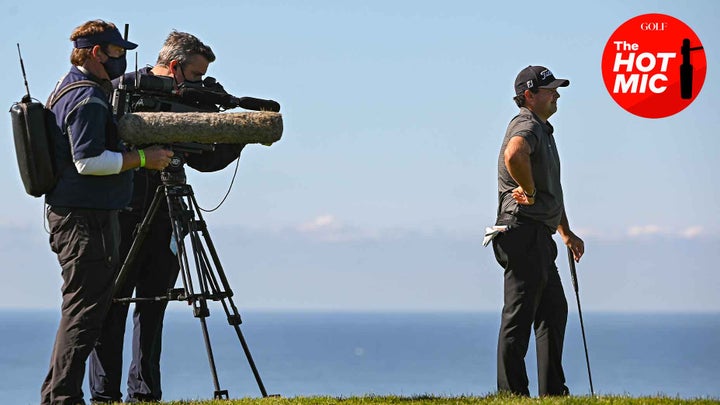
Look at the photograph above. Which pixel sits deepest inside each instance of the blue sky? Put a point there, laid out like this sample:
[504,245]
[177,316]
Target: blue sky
[379,191]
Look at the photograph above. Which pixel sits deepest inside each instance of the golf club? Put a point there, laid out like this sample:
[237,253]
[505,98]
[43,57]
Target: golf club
[573,276]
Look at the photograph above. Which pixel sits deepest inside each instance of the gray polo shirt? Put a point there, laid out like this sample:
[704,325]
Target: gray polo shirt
[549,206]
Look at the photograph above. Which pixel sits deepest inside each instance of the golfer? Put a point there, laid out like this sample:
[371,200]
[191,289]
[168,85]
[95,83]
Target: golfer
[530,210]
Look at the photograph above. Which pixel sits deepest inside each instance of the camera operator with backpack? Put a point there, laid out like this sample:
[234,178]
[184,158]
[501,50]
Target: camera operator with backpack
[93,183]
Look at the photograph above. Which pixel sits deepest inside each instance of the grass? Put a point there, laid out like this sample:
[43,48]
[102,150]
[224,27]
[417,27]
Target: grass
[440,400]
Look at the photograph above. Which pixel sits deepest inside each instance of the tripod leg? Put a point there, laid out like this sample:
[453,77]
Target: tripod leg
[179,218]
[234,320]
[204,312]
[234,316]
[179,222]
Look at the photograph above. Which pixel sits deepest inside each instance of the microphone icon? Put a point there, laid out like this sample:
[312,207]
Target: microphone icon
[686,69]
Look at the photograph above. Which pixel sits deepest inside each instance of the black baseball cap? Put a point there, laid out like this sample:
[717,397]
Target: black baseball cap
[538,77]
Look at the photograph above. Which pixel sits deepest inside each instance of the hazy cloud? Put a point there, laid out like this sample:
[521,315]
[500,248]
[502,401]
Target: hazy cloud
[327,228]
[644,230]
[692,232]
[322,222]
[689,232]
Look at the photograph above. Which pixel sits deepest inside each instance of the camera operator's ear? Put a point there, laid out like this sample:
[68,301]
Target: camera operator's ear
[173,68]
[95,52]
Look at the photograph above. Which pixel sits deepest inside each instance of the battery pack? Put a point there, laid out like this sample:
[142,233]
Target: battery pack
[32,147]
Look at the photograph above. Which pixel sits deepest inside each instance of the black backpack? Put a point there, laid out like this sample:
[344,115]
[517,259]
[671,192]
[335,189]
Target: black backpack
[33,128]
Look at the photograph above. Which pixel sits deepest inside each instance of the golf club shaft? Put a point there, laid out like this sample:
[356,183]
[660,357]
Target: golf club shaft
[573,276]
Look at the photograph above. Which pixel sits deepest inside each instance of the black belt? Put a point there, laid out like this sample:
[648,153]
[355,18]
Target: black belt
[66,210]
[511,220]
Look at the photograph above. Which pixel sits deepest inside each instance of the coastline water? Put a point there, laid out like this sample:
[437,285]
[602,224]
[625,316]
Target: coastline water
[357,353]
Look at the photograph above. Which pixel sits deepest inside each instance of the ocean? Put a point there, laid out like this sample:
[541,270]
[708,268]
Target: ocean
[357,353]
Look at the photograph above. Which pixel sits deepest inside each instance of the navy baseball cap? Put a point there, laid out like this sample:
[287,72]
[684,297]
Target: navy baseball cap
[538,77]
[111,36]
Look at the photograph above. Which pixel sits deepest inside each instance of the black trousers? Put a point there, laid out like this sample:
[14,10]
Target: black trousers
[155,271]
[86,244]
[533,299]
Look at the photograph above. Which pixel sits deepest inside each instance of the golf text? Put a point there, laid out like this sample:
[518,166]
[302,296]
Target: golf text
[645,64]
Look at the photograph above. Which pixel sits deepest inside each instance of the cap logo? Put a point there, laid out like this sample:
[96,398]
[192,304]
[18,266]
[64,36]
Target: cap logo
[545,74]
[529,84]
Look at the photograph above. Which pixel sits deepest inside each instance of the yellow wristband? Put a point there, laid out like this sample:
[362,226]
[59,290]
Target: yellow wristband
[142,157]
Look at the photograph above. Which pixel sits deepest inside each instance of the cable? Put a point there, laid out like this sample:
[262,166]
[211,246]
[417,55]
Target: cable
[232,181]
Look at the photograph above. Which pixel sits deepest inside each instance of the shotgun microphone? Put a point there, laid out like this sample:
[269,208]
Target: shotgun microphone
[227,101]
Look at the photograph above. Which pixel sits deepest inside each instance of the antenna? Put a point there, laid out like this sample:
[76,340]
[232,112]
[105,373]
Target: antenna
[26,98]
[122,76]
[119,95]
[137,74]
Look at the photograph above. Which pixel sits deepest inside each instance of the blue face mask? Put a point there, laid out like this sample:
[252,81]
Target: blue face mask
[115,67]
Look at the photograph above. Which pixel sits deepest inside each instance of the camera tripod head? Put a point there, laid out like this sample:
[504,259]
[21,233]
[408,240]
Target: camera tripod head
[174,173]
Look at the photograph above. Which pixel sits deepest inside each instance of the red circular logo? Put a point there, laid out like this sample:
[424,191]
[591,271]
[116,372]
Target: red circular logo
[654,65]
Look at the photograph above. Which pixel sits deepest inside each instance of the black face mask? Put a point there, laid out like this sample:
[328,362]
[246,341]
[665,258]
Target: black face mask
[189,83]
[193,84]
[115,67]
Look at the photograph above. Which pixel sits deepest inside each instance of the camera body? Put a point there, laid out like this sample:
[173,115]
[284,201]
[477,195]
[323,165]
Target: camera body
[141,92]
[150,93]
[147,93]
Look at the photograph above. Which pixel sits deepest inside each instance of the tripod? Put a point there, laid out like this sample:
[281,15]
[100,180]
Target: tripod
[210,282]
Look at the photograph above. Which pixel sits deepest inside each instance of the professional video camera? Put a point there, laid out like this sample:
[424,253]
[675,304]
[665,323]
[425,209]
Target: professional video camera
[150,93]
[150,109]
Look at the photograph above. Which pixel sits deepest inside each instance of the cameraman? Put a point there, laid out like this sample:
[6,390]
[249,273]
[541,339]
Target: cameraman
[185,59]
[93,183]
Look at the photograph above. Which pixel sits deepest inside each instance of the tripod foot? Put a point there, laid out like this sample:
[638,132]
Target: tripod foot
[221,394]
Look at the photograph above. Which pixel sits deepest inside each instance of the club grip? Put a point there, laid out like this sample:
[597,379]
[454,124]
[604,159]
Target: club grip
[573,271]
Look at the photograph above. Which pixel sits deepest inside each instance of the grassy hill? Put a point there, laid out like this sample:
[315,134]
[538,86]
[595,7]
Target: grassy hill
[433,400]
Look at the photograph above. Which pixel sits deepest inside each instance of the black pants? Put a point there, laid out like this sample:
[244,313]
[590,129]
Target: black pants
[86,244]
[533,299]
[155,271]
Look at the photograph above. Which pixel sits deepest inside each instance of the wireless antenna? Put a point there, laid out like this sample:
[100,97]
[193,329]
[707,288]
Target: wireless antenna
[26,98]
[119,96]
[137,74]
[122,76]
